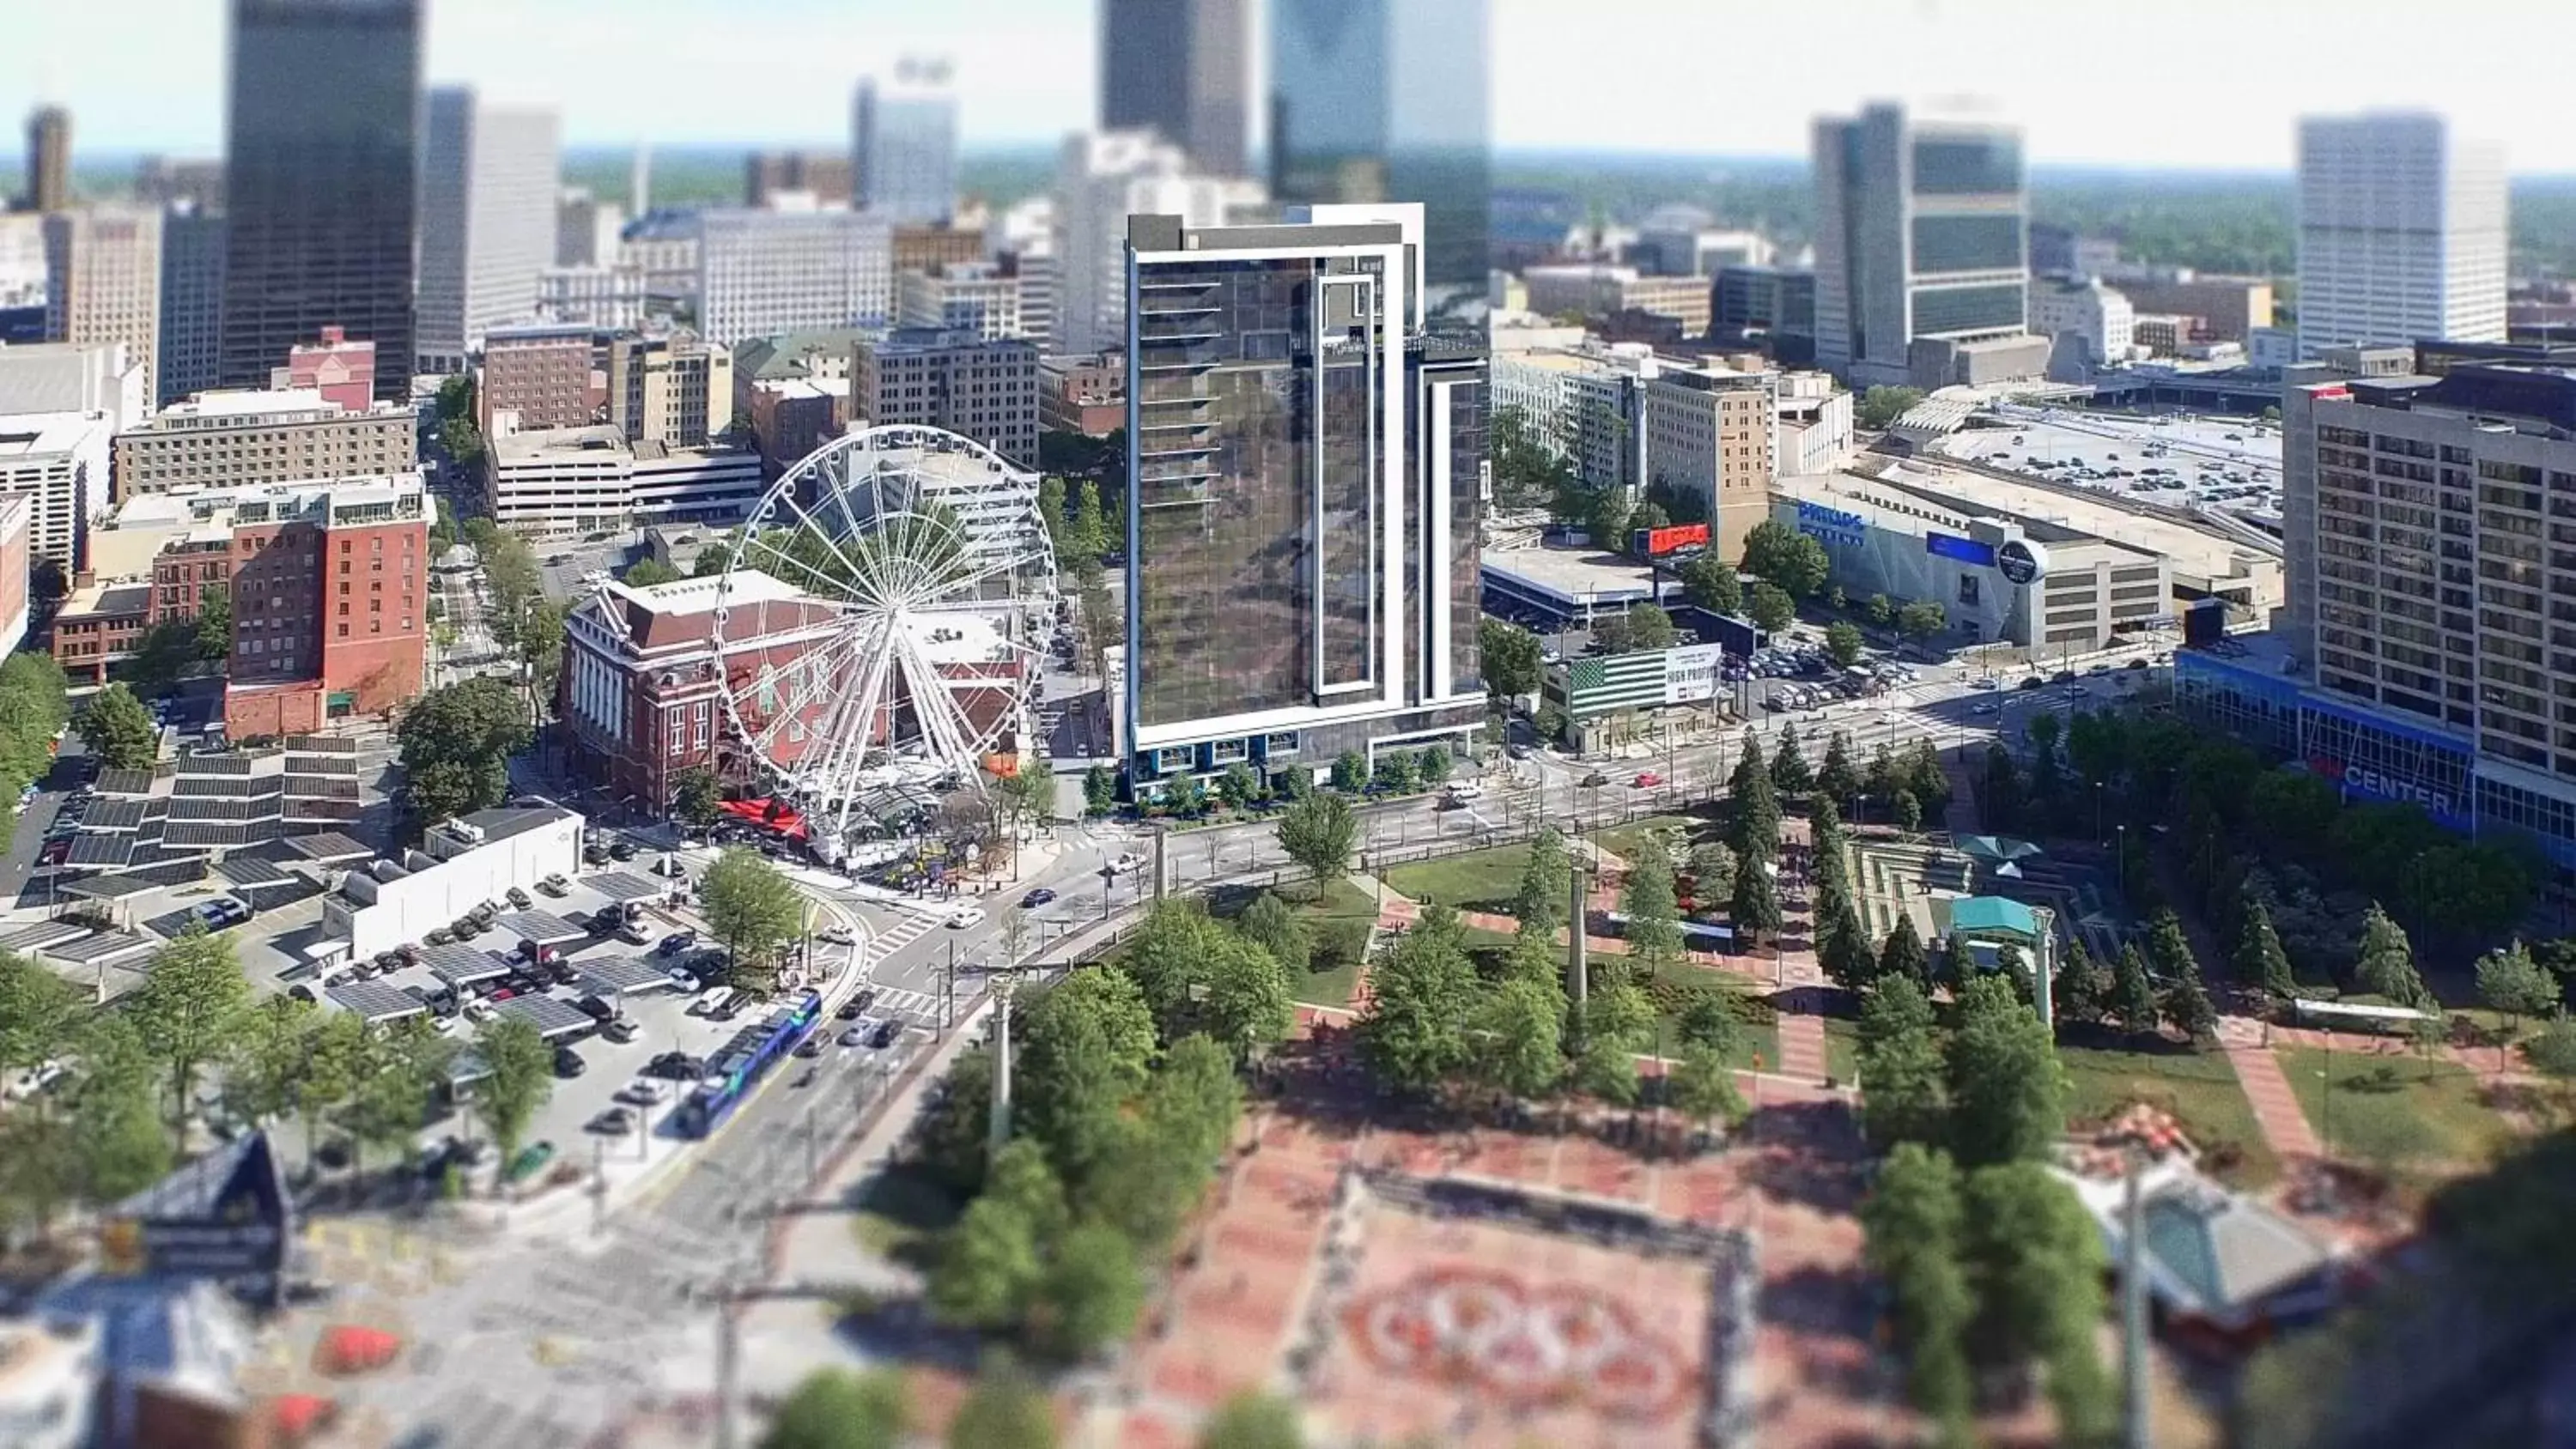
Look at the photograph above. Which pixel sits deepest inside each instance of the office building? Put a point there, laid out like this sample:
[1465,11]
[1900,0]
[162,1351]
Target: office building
[59,463]
[536,377]
[488,221]
[1918,237]
[2086,309]
[580,480]
[22,270]
[929,248]
[192,300]
[233,438]
[344,372]
[2230,309]
[1590,290]
[673,390]
[197,183]
[1710,432]
[1287,602]
[1587,401]
[2402,232]
[1772,305]
[320,181]
[1812,425]
[1101,180]
[978,297]
[49,159]
[791,417]
[1684,241]
[978,388]
[1040,285]
[611,299]
[103,282]
[768,174]
[903,144]
[587,229]
[1388,101]
[818,356]
[762,272]
[1181,69]
[1086,394]
[64,377]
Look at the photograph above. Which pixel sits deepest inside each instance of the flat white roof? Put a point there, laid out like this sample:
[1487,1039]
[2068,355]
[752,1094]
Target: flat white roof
[976,638]
[27,434]
[250,402]
[2201,552]
[1573,575]
[696,596]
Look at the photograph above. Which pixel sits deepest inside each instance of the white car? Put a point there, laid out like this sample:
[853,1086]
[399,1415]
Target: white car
[836,936]
[964,916]
[478,1011]
[680,978]
[645,1092]
[1126,862]
[39,1078]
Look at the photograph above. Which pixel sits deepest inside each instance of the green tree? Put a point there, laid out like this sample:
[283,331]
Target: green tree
[2259,961]
[1915,1223]
[1770,607]
[119,1140]
[1702,1087]
[1878,409]
[2552,1052]
[837,1409]
[1099,790]
[1318,833]
[1956,965]
[645,573]
[1903,1092]
[1712,868]
[1350,772]
[455,745]
[39,1014]
[1612,1027]
[2077,993]
[1754,910]
[1547,884]
[400,1071]
[1516,1032]
[2007,1091]
[521,1079]
[2386,966]
[119,730]
[1509,656]
[1880,613]
[1712,584]
[1789,772]
[750,907]
[1908,812]
[1791,561]
[2188,1009]
[1650,627]
[990,1262]
[1271,924]
[1842,944]
[697,799]
[267,1069]
[214,625]
[2168,949]
[1648,899]
[190,1009]
[332,1074]
[1433,764]
[1903,953]
[1921,619]
[1090,1295]
[1843,642]
[1413,1034]
[1252,1421]
[1198,976]
[2133,995]
[2511,982]
[1084,1049]
[2034,1260]
[1004,1409]
[1184,796]
[1394,774]
[1836,780]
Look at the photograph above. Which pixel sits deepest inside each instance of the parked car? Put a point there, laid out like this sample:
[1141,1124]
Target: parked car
[520,900]
[597,1009]
[676,943]
[676,1066]
[856,1036]
[612,1122]
[1031,901]
[619,1031]
[532,1159]
[857,1006]
[568,1063]
[635,933]
[622,850]
[555,885]
[645,1092]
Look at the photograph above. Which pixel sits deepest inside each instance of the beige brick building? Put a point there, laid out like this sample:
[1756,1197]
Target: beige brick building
[232,437]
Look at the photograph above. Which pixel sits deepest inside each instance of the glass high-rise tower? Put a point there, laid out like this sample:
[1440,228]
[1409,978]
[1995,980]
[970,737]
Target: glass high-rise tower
[320,179]
[1180,68]
[1302,529]
[1388,101]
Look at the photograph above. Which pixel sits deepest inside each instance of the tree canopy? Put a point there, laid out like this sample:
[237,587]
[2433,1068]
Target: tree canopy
[116,728]
[456,742]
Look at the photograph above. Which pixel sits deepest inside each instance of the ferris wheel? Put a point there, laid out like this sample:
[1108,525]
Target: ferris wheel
[881,620]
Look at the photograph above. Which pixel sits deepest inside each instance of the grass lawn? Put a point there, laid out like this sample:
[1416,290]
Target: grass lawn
[1842,1048]
[2198,1087]
[1624,840]
[2394,1110]
[1480,880]
[1755,1038]
[1344,900]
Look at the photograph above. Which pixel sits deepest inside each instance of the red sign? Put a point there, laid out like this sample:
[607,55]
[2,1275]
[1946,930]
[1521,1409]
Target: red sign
[1658,542]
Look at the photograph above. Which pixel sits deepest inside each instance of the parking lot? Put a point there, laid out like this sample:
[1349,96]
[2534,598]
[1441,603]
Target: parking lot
[2181,460]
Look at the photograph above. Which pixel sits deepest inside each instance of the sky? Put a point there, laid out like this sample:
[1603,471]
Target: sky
[2180,84]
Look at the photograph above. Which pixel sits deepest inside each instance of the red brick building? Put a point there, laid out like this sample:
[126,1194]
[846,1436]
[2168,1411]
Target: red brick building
[342,371]
[540,374]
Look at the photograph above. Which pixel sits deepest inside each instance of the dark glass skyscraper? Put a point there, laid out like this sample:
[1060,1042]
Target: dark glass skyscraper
[319,181]
[1388,100]
[1180,68]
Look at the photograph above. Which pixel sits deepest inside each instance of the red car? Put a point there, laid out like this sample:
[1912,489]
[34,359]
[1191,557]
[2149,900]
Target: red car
[1648,780]
[503,994]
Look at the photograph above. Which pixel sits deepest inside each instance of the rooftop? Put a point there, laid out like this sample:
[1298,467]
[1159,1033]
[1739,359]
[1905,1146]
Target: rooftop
[249,402]
[1993,913]
[522,447]
[112,597]
[1573,576]
[30,434]
[701,595]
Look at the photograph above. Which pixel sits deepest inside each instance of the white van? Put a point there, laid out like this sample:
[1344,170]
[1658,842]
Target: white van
[711,1001]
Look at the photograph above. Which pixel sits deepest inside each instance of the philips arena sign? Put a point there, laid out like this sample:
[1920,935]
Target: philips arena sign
[2020,561]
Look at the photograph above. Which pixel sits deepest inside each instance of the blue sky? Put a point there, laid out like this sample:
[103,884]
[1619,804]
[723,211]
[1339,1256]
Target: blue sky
[2185,83]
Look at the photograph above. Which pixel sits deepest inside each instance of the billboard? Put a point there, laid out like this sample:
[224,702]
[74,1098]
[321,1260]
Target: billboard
[1959,550]
[225,1216]
[1665,542]
[2020,561]
[1831,525]
[1647,679]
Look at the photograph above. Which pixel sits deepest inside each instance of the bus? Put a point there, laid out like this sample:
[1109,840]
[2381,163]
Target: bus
[735,1070]
[1696,935]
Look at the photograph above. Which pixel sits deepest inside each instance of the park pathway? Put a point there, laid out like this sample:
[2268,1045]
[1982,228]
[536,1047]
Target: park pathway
[2284,1123]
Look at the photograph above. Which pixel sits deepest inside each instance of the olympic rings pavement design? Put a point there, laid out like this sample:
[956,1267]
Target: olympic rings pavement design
[1545,1347]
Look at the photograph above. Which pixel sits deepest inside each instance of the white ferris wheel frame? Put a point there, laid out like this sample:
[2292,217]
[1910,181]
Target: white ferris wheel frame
[919,564]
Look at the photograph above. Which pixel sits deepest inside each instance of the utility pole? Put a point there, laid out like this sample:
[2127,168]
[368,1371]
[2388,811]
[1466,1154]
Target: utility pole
[1162,839]
[948,991]
[1578,970]
[1000,1131]
[2133,1307]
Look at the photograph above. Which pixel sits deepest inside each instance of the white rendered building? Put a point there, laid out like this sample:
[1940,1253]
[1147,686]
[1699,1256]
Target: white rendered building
[488,221]
[765,272]
[2101,316]
[2402,233]
[1101,180]
[903,144]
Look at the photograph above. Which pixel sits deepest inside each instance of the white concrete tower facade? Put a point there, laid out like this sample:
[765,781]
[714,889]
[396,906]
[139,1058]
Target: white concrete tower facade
[2402,232]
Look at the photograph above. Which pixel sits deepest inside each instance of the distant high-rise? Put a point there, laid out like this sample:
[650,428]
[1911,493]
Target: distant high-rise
[1389,100]
[320,180]
[1919,234]
[2401,233]
[487,222]
[903,144]
[192,293]
[49,159]
[1101,180]
[1181,69]
[760,273]
[103,281]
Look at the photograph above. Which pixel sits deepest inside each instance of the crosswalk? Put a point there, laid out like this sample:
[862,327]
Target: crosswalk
[889,939]
[899,1002]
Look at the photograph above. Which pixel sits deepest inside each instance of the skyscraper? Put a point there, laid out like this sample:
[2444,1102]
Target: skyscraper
[103,281]
[192,289]
[2401,232]
[1101,180]
[319,181]
[49,159]
[1181,69]
[1919,234]
[1302,529]
[1377,101]
[903,144]
[487,222]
